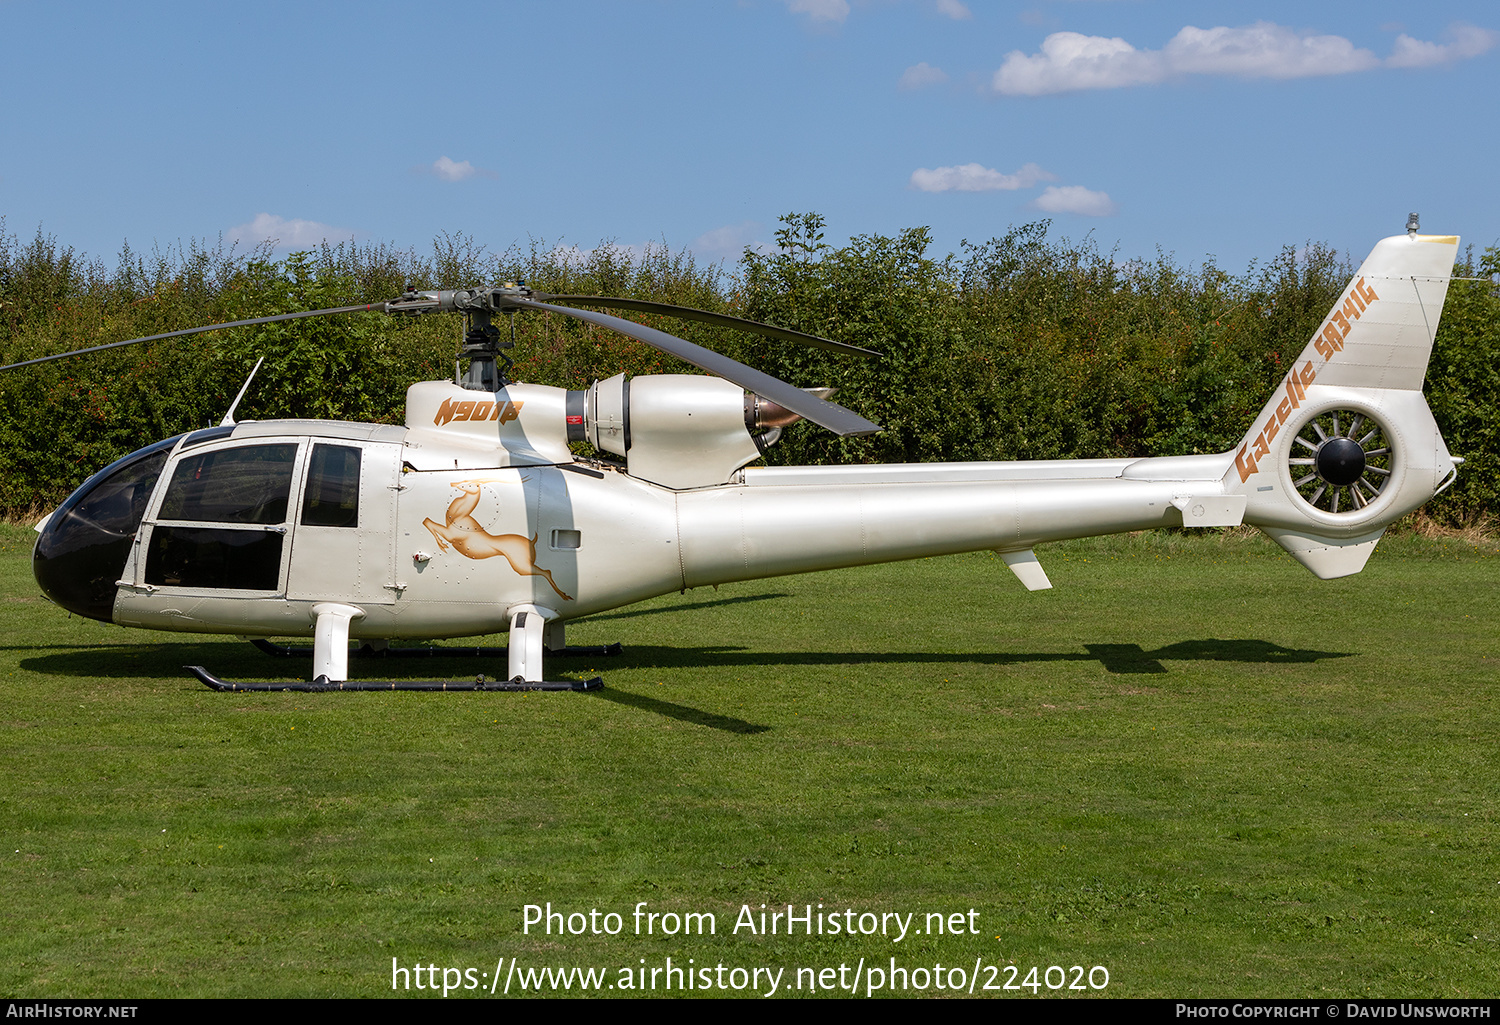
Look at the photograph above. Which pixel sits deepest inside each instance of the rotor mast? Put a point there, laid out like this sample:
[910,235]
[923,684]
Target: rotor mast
[481,348]
[489,366]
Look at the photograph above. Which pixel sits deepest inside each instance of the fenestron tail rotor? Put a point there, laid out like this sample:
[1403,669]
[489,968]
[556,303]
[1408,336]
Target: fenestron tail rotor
[1341,460]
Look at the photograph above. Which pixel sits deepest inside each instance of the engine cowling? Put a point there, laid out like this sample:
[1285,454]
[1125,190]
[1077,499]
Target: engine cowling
[677,430]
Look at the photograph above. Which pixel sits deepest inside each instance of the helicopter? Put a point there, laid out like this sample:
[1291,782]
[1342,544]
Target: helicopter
[477,517]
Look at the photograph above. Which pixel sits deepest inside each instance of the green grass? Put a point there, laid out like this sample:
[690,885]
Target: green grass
[1191,763]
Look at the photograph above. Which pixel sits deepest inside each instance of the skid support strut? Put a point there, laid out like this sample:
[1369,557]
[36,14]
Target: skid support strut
[331,640]
[528,630]
[532,630]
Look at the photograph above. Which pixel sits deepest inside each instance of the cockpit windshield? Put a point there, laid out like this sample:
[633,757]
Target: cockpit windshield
[82,551]
[112,502]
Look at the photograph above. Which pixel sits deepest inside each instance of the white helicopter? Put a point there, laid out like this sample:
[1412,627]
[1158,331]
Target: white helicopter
[477,517]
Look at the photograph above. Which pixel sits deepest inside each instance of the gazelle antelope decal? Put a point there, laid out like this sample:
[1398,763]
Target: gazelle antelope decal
[468,537]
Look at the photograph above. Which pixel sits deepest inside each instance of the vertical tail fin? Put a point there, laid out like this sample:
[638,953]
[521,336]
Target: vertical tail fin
[1347,445]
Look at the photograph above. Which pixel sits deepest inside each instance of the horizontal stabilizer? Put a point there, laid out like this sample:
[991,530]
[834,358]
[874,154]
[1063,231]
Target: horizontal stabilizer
[1327,557]
[1211,510]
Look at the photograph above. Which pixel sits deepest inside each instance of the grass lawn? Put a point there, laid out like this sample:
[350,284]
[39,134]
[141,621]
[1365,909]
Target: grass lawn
[1191,764]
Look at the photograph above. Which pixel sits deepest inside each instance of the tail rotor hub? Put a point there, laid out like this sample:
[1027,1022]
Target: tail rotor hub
[1341,461]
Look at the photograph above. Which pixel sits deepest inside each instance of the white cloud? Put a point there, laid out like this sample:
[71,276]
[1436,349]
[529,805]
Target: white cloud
[1070,61]
[1468,41]
[976,178]
[923,74]
[454,170]
[449,171]
[1263,50]
[953,9]
[287,234]
[833,11]
[728,242]
[1075,199]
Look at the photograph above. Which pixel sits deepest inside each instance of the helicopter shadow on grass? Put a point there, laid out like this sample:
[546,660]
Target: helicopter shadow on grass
[633,613]
[1114,658]
[682,713]
[238,660]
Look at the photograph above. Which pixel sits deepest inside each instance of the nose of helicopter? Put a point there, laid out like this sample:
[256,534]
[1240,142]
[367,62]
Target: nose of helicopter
[82,547]
[77,565]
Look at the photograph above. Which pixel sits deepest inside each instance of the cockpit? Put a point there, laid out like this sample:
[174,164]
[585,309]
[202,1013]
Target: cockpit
[85,541]
[221,524]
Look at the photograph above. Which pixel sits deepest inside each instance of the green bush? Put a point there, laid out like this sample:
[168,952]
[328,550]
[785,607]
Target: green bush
[1022,347]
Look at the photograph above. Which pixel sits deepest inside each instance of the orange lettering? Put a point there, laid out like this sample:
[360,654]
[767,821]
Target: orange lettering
[1245,466]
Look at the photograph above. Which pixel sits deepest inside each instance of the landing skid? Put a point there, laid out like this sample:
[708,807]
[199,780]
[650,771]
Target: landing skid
[322,683]
[534,633]
[369,651]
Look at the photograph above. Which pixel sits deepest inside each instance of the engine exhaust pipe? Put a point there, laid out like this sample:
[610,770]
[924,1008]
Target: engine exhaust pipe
[763,414]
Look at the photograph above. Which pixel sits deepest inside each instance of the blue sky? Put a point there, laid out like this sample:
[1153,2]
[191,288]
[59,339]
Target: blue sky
[1229,129]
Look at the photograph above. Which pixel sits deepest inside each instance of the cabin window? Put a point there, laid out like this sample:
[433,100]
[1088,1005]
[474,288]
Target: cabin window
[332,495]
[248,560]
[249,484]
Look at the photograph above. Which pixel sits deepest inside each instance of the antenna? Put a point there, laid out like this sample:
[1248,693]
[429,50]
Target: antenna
[228,420]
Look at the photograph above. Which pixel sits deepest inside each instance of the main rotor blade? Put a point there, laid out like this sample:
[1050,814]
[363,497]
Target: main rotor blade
[198,330]
[703,316]
[835,418]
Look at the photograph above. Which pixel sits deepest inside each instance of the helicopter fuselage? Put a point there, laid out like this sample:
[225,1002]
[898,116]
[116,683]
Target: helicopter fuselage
[244,529]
